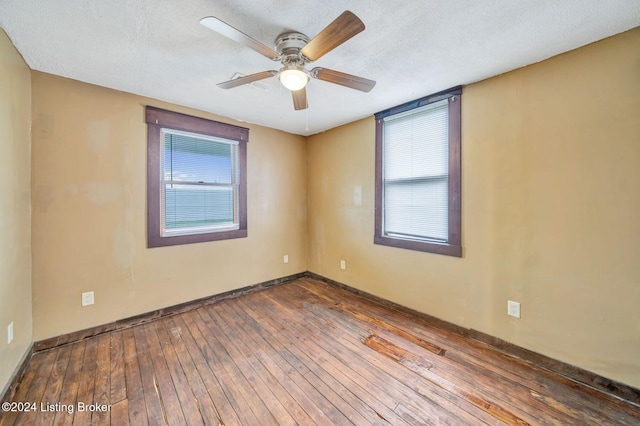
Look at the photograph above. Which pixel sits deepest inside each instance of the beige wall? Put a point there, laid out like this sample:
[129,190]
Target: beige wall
[551,212]
[15,207]
[89,212]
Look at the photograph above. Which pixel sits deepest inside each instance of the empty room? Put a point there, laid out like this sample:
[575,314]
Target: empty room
[319,213]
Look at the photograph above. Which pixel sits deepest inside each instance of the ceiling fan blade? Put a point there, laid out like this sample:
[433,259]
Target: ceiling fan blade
[238,36]
[342,29]
[300,99]
[230,84]
[343,79]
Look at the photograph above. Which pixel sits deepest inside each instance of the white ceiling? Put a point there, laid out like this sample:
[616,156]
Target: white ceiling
[158,49]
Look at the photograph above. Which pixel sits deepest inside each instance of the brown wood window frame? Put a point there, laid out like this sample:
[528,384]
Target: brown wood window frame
[453,247]
[156,120]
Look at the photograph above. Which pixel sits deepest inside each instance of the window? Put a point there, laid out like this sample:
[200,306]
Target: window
[196,179]
[418,175]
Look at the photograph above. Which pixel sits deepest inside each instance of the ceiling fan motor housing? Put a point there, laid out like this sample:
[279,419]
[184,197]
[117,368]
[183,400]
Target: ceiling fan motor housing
[288,45]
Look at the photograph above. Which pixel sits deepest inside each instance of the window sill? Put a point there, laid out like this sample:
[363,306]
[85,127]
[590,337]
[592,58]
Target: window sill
[430,247]
[157,241]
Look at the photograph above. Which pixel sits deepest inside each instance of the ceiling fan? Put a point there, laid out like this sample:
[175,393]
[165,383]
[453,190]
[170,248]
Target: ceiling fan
[294,50]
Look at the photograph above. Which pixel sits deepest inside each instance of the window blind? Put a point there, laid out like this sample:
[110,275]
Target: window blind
[200,183]
[415,173]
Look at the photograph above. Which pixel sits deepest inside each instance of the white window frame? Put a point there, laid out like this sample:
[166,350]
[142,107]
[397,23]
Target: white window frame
[234,185]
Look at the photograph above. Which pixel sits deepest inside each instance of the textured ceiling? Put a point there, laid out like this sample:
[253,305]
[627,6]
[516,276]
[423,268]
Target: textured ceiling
[158,49]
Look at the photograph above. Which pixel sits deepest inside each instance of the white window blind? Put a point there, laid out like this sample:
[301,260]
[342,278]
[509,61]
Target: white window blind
[200,183]
[415,173]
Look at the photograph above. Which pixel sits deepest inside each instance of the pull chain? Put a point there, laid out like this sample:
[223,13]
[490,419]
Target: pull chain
[306,119]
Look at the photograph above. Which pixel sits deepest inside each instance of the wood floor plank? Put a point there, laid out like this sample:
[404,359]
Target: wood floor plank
[306,349]
[242,347]
[134,392]
[506,400]
[305,402]
[475,356]
[221,400]
[165,386]
[155,409]
[7,417]
[102,386]
[234,387]
[409,360]
[434,395]
[316,389]
[188,401]
[315,340]
[334,303]
[352,349]
[347,350]
[441,399]
[38,371]
[86,384]
[205,404]
[294,354]
[119,413]
[37,393]
[118,389]
[51,396]
[272,396]
[423,414]
[69,392]
[247,383]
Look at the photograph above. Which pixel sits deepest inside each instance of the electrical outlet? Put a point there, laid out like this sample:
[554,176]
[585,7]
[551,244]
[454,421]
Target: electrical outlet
[87,298]
[343,265]
[513,309]
[10,332]
[286,258]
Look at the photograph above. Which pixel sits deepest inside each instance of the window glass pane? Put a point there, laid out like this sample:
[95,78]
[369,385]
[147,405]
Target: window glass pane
[417,209]
[189,206]
[200,188]
[417,144]
[197,160]
[415,173]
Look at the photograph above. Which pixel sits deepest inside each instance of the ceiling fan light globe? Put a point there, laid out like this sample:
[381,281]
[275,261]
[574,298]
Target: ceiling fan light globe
[293,79]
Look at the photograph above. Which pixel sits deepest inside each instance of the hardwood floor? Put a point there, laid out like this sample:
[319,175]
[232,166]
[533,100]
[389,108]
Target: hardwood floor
[300,353]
